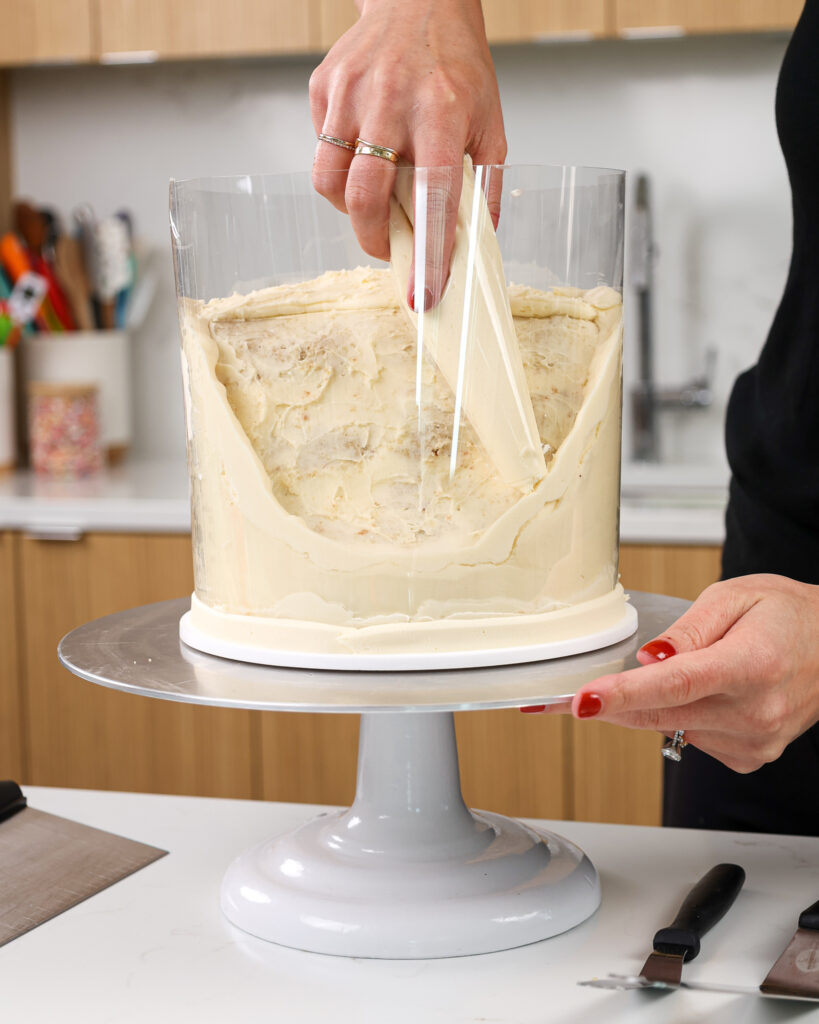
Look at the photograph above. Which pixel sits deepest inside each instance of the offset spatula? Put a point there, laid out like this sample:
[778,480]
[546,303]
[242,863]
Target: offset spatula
[707,903]
[795,975]
[796,972]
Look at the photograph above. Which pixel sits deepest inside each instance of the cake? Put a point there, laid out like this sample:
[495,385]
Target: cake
[352,496]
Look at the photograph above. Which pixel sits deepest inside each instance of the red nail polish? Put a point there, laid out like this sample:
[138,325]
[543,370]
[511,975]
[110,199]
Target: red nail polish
[534,709]
[589,705]
[659,649]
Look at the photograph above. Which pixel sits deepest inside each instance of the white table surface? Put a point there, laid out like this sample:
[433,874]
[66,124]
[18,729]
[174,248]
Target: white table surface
[155,948]
[662,504]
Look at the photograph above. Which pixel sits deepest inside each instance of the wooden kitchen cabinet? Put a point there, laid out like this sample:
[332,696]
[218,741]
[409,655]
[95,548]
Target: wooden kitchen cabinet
[515,763]
[332,18]
[5,152]
[79,734]
[705,16]
[506,21]
[45,31]
[510,21]
[12,749]
[204,28]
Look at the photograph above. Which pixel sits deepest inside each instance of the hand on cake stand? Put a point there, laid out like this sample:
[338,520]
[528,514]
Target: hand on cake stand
[415,80]
[738,672]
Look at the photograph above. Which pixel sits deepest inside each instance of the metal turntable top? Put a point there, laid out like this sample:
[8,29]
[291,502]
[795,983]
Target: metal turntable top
[139,651]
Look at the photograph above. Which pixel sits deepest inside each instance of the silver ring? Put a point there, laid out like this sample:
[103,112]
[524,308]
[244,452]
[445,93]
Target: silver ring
[363,148]
[673,748]
[337,142]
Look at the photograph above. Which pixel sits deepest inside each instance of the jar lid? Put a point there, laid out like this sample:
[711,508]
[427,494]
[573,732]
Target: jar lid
[66,389]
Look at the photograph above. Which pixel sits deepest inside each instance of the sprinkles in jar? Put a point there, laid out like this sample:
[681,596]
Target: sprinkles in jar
[64,429]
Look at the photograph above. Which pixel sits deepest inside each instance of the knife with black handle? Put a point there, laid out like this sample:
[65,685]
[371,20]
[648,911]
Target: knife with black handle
[707,903]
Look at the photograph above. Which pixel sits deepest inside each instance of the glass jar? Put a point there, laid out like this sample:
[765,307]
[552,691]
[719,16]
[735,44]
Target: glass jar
[64,434]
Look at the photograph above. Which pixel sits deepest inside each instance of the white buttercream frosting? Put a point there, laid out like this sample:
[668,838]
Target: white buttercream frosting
[324,513]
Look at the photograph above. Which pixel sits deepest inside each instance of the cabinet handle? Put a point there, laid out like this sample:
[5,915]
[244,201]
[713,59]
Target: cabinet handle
[55,533]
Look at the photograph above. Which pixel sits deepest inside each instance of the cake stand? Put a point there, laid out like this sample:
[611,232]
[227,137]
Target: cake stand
[408,871]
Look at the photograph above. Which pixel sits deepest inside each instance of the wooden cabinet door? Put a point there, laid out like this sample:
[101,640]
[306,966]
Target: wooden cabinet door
[707,15]
[12,760]
[83,735]
[616,772]
[332,19]
[39,31]
[514,763]
[506,21]
[204,28]
[5,152]
[510,21]
[307,758]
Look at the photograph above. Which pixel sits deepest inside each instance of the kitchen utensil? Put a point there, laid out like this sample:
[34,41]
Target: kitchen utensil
[796,972]
[706,903]
[795,975]
[49,864]
[109,245]
[18,267]
[33,228]
[69,267]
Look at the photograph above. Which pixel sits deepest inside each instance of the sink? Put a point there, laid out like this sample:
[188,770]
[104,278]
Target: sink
[676,485]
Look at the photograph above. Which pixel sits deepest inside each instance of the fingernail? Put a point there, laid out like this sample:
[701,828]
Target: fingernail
[427,300]
[534,709]
[658,649]
[589,705]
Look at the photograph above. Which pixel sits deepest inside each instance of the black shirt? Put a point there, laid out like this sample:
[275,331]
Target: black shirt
[772,430]
[772,439]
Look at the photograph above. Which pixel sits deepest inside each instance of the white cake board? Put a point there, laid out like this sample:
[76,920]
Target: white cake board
[408,661]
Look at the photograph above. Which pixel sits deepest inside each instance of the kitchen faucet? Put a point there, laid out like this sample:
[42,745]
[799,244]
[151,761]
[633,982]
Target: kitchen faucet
[646,397]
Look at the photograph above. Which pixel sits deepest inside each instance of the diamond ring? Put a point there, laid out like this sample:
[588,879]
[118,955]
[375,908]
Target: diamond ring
[672,749]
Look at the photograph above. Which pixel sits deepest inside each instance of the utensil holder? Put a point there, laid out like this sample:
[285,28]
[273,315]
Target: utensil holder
[94,357]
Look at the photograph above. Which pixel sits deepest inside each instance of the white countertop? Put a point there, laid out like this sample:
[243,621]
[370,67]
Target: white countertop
[137,497]
[660,504]
[155,947]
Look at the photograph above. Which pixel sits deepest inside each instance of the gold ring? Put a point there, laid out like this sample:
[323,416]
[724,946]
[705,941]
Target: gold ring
[337,142]
[363,148]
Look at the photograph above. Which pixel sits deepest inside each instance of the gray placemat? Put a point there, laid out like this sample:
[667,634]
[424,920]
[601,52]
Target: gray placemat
[48,864]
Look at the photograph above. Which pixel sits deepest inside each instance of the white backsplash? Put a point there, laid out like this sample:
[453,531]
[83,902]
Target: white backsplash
[695,114]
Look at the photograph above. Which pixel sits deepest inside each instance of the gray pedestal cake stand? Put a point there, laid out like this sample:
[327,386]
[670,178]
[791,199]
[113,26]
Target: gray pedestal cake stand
[408,871]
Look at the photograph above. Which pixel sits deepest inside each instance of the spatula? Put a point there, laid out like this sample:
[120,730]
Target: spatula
[795,975]
[708,902]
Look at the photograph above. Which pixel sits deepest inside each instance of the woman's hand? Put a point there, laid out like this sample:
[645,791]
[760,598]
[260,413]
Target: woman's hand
[739,672]
[415,76]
